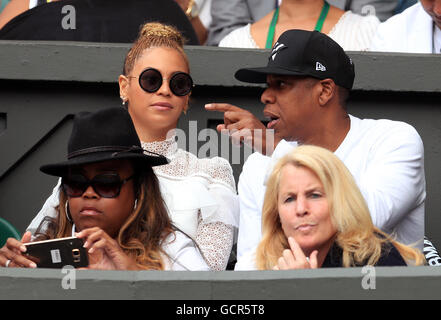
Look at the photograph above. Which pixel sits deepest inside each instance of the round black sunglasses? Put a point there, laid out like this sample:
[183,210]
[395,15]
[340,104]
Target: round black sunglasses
[180,84]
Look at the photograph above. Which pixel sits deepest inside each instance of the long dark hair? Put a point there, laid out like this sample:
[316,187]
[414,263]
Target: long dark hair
[142,234]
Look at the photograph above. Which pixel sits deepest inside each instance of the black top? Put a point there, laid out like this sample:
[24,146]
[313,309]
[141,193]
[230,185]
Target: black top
[96,21]
[389,257]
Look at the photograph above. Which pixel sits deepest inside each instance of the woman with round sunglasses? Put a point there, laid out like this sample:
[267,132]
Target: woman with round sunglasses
[200,194]
[111,198]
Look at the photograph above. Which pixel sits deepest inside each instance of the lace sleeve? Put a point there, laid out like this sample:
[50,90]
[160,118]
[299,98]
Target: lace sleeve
[215,241]
[219,170]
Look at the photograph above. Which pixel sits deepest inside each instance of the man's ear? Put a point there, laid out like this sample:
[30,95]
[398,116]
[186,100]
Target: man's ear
[327,91]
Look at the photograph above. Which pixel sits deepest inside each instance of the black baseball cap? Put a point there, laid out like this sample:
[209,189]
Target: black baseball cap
[304,53]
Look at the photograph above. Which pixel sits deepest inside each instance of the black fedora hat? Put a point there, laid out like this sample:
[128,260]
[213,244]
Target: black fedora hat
[107,134]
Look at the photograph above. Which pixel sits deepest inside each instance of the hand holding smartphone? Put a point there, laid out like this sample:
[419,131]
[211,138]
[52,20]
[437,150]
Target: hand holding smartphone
[57,253]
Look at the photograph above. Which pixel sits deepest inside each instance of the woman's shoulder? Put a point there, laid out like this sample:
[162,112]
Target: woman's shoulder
[239,38]
[357,22]
[186,165]
[355,32]
[218,169]
[390,256]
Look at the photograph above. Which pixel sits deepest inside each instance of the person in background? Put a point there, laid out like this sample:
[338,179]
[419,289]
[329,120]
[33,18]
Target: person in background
[110,197]
[16,7]
[91,20]
[198,12]
[314,216]
[200,194]
[352,31]
[229,15]
[415,30]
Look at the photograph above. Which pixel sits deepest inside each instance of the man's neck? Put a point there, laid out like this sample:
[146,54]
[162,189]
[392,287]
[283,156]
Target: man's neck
[332,132]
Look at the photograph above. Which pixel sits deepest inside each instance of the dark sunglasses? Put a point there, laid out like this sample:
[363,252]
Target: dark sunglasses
[106,185]
[180,83]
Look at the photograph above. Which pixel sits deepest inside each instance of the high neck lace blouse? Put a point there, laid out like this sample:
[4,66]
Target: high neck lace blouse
[201,198]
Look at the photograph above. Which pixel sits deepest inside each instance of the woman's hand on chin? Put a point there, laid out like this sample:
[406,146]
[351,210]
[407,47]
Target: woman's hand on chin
[294,258]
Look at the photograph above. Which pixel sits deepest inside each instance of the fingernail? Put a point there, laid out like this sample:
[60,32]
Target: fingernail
[91,250]
[32,265]
[23,248]
[208,106]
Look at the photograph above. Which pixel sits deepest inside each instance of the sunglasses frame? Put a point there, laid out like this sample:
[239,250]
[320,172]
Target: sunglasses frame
[162,81]
[90,182]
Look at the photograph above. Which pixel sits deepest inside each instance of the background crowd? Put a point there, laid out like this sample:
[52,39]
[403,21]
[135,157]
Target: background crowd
[357,25]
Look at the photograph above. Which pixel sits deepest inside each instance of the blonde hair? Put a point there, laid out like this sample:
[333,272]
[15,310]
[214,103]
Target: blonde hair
[154,35]
[359,239]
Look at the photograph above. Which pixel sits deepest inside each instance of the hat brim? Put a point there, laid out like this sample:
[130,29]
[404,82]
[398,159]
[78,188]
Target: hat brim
[258,75]
[61,169]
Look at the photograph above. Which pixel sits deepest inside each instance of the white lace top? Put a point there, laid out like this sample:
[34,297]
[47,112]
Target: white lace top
[352,32]
[201,198]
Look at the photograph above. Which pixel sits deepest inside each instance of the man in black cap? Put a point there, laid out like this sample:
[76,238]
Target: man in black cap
[308,78]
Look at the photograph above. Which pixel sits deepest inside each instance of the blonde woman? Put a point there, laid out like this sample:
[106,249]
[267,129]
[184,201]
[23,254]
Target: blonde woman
[314,216]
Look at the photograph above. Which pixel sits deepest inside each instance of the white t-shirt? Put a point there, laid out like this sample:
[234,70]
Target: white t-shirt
[352,32]
[386,159]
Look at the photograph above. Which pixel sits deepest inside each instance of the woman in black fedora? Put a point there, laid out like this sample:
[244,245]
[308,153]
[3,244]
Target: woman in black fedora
[110,197]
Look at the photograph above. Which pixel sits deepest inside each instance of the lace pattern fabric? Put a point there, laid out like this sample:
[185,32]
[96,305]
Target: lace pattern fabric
[185,164]
[201,198]
[215,241]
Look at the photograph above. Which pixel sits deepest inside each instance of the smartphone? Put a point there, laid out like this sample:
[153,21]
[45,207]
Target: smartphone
[57,253]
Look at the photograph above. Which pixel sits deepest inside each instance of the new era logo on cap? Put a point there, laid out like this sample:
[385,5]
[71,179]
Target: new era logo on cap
[319,67]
